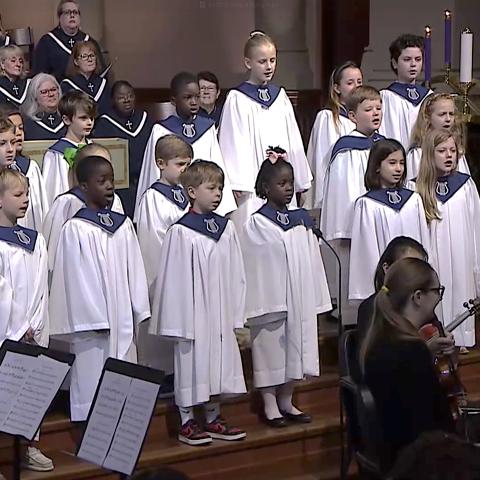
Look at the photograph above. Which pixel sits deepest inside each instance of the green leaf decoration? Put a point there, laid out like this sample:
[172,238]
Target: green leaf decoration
[70,153]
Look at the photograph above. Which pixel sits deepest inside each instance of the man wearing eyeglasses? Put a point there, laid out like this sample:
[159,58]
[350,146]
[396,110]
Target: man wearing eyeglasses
[54,48]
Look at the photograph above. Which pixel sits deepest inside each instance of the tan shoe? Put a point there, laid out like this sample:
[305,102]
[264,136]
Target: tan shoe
[35,460]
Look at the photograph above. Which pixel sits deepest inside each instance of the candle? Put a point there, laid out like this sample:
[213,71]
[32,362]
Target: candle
[466,56]
[428,54]
[448,37]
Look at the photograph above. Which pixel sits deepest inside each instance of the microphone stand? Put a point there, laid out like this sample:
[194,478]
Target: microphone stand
[317,232]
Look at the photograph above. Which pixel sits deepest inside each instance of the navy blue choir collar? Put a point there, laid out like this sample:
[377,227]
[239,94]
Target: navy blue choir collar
[20,236]
[446,187]
[77,192]
[107,220]
[93,86]
[67,42]
[21,163]
[52,121]
[14,91]
[190,131]
[343,111]
[176,195]
[209,224]
[62,144]
[412,93]
[265,95]
[132,125]
[394,198]
[352,142]
[286,219]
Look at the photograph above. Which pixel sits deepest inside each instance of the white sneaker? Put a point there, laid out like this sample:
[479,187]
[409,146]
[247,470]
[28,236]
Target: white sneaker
[35,460]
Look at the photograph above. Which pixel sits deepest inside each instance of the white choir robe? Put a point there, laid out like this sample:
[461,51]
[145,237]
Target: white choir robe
[379,217]
[455,247]
[63,208]
[400,106]
[255,118]
[23,285]
[414,157]
[160,207]
[98,296]
[205,147]
[37,194]
[55,168]
[322,139]
[285,282]
[198,301]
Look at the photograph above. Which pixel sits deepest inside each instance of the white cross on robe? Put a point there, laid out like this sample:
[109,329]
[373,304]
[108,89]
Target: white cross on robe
[71,42]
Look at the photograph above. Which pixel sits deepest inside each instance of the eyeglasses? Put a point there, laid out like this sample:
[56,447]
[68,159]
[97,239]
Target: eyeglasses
[87,56]
[208,89]
[71,12]
[440,290]
[48,91]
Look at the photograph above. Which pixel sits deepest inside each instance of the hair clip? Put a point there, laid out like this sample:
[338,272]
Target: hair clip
[273,155]
[257,32]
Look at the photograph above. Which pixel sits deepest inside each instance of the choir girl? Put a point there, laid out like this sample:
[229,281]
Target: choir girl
[437,112]
[83,74]
[198,301]
[452,209]
[330,124]
[198,131]
[344,180]
[402,99]
[124,120]
[257,116]
[13,81]
[78,113]
[40,109]
[286,289]
[98,293]
[387,210]
[37,193]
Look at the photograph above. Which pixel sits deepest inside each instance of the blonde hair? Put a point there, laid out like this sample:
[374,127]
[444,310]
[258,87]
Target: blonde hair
[427,174]
[10,177]
[11,51]
[403,278]
[360,94]
[201,171]
[93,150]
[424,120]
[333,102]
[6,125]
[257,39]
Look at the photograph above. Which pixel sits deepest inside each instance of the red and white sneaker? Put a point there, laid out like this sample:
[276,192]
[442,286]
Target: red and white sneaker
[219,429]
[192,434]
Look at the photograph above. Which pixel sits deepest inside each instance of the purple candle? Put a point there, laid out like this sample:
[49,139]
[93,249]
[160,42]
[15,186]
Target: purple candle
[428,54]
[448,38]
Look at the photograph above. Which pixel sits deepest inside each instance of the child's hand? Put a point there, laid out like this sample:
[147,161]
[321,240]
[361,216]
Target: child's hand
[28,337]
[238,194]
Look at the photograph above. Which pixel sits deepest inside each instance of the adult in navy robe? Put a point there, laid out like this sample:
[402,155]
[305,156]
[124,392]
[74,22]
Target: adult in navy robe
[55,47]
[41,118]
[124,120]
[210,107]
[13,84]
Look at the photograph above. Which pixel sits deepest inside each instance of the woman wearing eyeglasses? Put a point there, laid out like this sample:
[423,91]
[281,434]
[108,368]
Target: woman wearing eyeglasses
[397,364]
[40,109]
[83,74]
[55,47]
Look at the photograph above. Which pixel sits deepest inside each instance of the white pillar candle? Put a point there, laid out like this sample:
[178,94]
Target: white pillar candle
[466,56]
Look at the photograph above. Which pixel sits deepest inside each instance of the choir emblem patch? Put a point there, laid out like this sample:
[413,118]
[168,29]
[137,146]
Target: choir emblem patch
[264,94]
[22,237]
[211,225]
[394,197]
[189,130]
[105,219]
[413,93]
[178,196]
[442,189]
[283,218]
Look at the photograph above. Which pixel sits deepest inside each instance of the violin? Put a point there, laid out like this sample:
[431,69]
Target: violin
[447,373]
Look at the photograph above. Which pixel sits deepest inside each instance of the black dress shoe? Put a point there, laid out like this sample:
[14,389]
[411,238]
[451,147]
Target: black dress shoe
[297,418]
[276,422]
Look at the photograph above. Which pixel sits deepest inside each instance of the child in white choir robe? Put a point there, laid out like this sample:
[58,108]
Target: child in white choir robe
[37,194]
[23,279]
[386,211]
[437,112]
[402,99]
[162,205]
[452,209]
[286,289]
[67,204]
[200,132]
[257,116]
[330,124]
[99,292]
[199,301]
[78,113]
[344,183]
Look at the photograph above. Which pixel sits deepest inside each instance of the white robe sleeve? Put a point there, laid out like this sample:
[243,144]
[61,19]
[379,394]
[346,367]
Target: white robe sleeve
[55,173]
[414,156]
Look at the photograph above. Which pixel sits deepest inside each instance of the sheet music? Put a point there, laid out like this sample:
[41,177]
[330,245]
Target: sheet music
[132,427]
[104,417]
[28,386]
